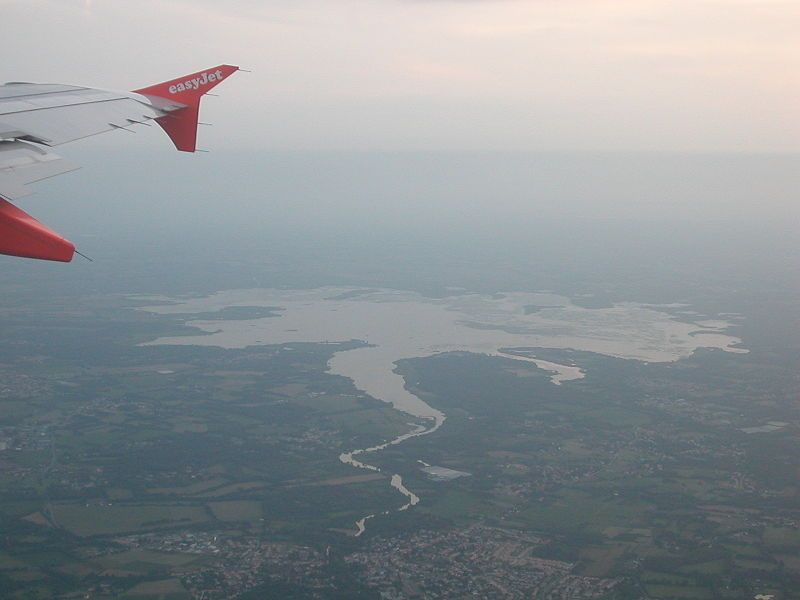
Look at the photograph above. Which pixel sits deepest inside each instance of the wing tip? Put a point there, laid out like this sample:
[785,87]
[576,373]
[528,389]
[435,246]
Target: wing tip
[181,124]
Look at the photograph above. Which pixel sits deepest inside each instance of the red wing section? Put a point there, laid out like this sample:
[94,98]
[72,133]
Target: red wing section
[181,123]
[22,235]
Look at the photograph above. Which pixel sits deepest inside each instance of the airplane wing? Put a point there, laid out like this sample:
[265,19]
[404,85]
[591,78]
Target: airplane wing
[35,117]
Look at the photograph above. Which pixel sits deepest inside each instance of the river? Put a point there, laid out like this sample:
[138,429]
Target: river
[395,325]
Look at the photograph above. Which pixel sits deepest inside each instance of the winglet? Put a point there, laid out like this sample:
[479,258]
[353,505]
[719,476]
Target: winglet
[22,235]
[181,122]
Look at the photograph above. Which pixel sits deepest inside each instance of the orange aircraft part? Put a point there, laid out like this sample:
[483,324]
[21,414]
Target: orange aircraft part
[22,235]
[181,125]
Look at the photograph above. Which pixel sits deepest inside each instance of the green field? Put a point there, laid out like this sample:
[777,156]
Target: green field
[128,482]
[167,589]
[236,510]
[104,520]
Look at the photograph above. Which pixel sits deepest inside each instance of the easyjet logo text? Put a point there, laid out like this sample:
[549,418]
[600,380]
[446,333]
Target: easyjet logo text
[197,82]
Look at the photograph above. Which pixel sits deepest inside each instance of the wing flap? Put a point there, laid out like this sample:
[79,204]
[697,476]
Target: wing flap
[73,119]
[22,163]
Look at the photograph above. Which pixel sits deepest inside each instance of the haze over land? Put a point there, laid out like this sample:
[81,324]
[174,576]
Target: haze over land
[402,114]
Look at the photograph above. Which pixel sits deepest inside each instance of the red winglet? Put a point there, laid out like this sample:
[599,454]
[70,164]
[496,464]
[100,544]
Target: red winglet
[22,235]
[181,125]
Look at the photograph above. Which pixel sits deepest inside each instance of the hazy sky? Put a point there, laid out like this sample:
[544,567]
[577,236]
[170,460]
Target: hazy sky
[675,75]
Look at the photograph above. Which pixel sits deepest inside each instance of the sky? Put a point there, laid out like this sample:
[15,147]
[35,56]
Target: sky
[443,75]
[372,115]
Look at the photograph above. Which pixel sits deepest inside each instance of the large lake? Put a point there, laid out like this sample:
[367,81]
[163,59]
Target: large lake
[397,325]
[400,324]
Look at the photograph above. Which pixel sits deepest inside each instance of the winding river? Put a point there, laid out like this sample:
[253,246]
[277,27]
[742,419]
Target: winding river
[397,480]
[396,325]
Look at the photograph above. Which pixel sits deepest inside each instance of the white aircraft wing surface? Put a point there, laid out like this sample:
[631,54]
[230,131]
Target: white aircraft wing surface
[35,117]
